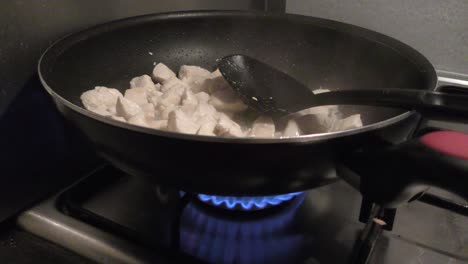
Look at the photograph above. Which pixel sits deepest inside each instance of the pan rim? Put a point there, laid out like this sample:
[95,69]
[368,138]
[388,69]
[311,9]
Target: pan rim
[304,139]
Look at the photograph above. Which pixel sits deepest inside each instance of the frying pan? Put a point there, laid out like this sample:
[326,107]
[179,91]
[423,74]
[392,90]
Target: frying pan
[317,52]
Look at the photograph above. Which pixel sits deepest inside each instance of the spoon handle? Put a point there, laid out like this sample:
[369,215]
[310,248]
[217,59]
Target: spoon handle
[430,104]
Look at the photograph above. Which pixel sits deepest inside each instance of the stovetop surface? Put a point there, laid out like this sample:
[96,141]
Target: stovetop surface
[112,217]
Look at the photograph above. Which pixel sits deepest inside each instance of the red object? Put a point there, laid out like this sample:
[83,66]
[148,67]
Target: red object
[448,142]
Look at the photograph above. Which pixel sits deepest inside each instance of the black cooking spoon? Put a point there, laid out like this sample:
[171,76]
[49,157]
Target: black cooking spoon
[275,93]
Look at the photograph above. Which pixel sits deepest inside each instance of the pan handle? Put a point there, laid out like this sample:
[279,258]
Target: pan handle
[396,174]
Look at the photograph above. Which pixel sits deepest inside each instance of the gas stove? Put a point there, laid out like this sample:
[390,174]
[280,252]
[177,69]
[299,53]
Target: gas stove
[111,217]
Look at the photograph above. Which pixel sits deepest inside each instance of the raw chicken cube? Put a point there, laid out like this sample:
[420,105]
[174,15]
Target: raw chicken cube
[228,128]
[194,77]
[162,73]
[226,100]
[171,84]
[350,122]
[263,127]
[292,129]
[137,95]
[205,110]
[189,98]
[138,120]
[101,100]
[207,126]
[148,110]
[178,121]
[163,110]
[173,95]
[203,97]
[189,71]
[143,81]
[215,82]
[127,108]
[158,124]
[322,117]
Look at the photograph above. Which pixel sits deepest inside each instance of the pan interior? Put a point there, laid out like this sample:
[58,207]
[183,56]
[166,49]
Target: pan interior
[319,53]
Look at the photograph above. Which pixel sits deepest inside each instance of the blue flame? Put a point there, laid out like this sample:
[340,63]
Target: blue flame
[269,239]
[247,203]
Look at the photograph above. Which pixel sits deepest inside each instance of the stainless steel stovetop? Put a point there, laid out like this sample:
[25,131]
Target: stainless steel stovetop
[110,217]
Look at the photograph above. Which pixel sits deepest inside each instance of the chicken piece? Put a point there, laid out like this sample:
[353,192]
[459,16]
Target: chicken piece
[263,127]
[189,71]
[162,110]
[205,110]
[101,100]
[189,98]
[143,81]
[226,100]
[138,95]
[207,126]
[215,82]
[138,120]
[202,97]
[179,122]
[162,73]
[171,84]
[227,128]
[173,95]
[158,124]
[350,122]
[194,77]
[148,110]
[292,129]
[127,108]
[318,119]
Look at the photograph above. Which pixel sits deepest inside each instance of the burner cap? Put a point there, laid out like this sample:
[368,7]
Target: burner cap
[246,203]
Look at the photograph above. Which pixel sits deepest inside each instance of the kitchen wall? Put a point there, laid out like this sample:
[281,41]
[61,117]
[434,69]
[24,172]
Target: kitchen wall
[438,29]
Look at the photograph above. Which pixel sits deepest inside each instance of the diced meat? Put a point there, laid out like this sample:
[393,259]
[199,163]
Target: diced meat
[143,81]
[148,110]
[172,84]
[194,77]
[158,124]
[324,117]
[138,120]
[203,97]
[292,129]
[263,127]
[127,108]
[173,95]
[162,110]
[228,128]
[203,103]
[162,73]
[207,126]
[216,82]
[205,110]
[188,98]
[138,95]
[189,71]
[101,100]
[180,122]
[350,122]
[226,100]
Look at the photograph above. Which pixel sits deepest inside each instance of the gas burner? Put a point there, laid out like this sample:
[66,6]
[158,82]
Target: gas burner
[246,203]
